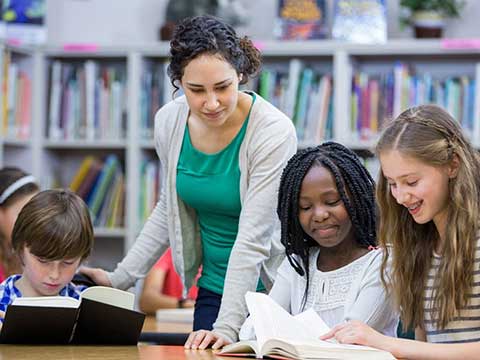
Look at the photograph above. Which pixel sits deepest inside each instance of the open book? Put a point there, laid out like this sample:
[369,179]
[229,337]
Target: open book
[281,335]
[103,315]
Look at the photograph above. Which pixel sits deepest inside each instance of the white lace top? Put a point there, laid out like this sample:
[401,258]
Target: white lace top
[353,292]
[328,291]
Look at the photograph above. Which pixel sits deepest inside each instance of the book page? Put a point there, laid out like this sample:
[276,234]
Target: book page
[47,301]
[270,320]
[242,347]
[110,296]
[313,323]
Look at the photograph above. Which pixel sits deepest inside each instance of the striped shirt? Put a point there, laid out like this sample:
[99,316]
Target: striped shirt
[9,292]
[465,326]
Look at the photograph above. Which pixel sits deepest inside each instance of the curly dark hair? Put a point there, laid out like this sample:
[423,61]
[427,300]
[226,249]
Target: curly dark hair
[355,186]
[207,34]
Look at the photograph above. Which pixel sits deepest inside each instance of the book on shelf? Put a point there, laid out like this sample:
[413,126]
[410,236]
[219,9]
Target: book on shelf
[184,316]
[24,21]
[101,184]
[360,21]
[150,182]
[103,315]
[17,98]
[301,20]
[86,101]
[156,90]
[281,335]
[304,94]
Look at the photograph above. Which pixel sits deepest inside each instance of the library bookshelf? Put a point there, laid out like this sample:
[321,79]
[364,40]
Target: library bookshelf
[128,83]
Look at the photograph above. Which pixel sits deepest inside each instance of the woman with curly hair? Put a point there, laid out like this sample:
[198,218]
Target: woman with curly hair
[222,151]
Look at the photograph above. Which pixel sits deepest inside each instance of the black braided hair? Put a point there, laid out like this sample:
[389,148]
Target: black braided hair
[355,186]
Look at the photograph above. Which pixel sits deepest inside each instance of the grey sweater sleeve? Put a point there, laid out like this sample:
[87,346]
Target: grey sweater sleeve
[149,246]
[257,226]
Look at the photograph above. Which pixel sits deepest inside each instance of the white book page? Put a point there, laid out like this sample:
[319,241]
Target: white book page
[110,296]
[270,320]
[313,323]
[241,347]
[47,301]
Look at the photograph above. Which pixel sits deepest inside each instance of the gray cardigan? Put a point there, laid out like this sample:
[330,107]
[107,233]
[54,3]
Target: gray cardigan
[269,142]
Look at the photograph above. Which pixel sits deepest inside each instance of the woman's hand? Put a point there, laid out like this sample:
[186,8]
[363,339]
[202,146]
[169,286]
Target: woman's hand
[99,276]
[201,339]
[356,332]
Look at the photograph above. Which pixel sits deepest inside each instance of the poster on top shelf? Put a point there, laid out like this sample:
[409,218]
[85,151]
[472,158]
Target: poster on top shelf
[23,21]
[360,21]
[301,20]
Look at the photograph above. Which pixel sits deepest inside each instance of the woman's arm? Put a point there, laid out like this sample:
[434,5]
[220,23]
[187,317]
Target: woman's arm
[257,226]
[356,332]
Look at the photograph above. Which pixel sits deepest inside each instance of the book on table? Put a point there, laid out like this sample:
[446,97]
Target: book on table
[103,315]
[183,316]
[281,335]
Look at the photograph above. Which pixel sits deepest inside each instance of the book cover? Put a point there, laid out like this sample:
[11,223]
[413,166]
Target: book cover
[360,21]
[301,20]
[103,315]
[24,21]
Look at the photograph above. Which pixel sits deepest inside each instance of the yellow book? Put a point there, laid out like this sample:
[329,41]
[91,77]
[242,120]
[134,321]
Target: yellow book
[81,173]
[111,222]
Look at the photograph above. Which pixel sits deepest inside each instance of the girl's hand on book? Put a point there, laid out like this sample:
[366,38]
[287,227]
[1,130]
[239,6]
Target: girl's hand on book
[201,339]
[99,276]
[355,332]
[2,314]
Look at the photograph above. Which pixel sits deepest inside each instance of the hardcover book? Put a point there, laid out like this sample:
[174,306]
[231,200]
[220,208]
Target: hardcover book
[103,315]
[301,20]
[360,21]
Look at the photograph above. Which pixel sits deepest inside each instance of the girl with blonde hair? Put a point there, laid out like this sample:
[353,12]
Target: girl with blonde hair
[429,197]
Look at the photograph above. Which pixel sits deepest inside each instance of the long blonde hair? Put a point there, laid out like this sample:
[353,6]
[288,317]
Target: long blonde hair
[429,134]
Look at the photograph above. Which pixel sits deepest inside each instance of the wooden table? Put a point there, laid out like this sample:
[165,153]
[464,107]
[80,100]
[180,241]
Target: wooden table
[151,325]
[141,352]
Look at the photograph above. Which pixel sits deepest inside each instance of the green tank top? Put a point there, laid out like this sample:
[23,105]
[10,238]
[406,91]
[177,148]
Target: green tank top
[210,184]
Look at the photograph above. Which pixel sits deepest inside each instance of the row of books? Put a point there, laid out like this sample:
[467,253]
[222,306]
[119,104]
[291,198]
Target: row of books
[155,91]
[304,94]
[150,183]
[16,99]
[101,184]
[87,101]
[378,98]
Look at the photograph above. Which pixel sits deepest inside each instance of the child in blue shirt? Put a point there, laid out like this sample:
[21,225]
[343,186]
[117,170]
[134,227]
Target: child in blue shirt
[52,235]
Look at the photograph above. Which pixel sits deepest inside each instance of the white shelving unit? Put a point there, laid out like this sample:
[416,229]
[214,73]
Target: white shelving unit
[43,157]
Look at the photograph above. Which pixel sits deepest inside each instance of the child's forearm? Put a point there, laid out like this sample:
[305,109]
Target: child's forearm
[419,350]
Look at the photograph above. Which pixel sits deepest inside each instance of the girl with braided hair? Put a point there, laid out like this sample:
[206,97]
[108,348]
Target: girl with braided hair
[327,213]
[429,199]
[222,152]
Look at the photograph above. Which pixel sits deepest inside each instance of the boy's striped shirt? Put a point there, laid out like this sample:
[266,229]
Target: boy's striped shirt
[9,292]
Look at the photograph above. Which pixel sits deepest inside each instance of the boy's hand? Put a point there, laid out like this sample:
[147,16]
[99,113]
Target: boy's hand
[99,276]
